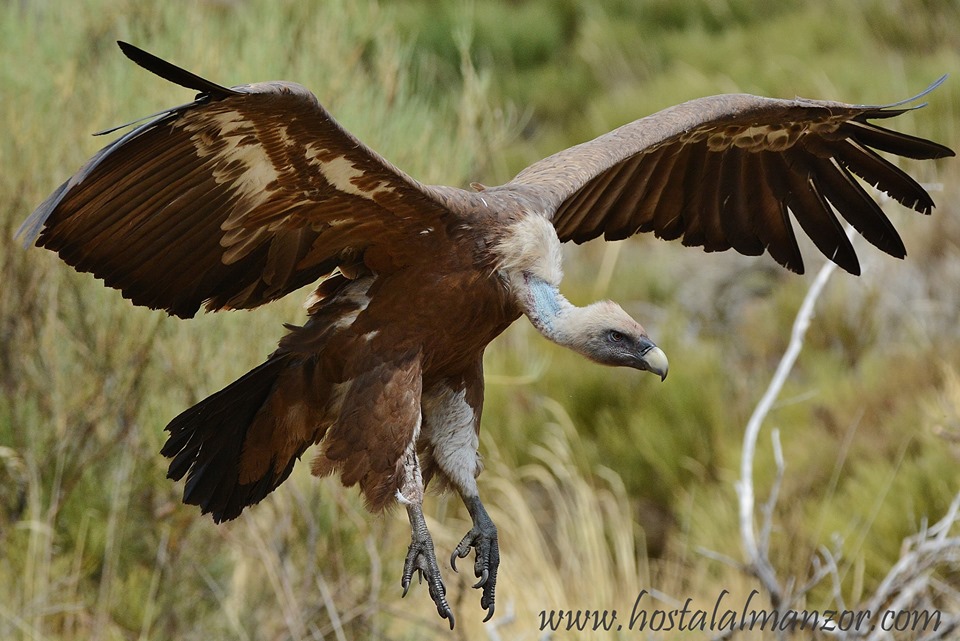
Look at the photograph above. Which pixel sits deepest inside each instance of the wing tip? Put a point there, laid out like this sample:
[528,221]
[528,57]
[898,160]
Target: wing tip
[890,110]
[129,50]
[936,83]
[172,73]
[30,229]
[850,264]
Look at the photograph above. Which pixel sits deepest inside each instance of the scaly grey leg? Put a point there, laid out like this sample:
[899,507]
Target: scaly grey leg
[422,559]
[483,538]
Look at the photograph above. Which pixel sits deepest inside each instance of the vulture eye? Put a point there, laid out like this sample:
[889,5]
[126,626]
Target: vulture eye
[614,336]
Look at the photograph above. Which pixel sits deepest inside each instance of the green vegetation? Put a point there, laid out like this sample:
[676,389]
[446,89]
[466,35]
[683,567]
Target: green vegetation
[603,482]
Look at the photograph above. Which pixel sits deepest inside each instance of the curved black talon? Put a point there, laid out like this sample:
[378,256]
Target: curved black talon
[482,538]
[405,580]
[422,559]
[458,554]
[489,611]
[483,578]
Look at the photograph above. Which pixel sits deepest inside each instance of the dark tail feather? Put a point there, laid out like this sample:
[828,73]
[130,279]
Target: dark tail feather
[206,444]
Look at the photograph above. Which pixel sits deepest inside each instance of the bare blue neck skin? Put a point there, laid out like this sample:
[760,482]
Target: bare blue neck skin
[544,306]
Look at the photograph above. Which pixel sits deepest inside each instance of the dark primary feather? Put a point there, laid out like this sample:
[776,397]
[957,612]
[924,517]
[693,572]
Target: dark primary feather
[724,172]
[174,73]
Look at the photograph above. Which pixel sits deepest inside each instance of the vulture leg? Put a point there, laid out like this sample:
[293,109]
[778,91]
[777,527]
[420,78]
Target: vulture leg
[483,538]
[422,559]
[451,418]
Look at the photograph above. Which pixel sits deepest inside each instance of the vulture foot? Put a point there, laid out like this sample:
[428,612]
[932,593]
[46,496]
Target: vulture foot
[422,559]
[482,537]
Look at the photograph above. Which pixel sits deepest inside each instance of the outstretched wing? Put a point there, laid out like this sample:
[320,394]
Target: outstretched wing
[231,201]
[723,171]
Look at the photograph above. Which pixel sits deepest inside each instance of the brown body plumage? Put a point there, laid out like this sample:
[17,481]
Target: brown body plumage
[249,193]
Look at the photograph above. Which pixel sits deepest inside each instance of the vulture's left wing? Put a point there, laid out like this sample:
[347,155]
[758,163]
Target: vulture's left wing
[232,200]
[722,172]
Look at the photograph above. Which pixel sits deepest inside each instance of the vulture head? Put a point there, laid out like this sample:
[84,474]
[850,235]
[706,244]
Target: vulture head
[606,334]
[530,263]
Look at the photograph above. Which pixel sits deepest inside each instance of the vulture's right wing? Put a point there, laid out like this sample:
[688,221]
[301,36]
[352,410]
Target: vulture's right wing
[722,172]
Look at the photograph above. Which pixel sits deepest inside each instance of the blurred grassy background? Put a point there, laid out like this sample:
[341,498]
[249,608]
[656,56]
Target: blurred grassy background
[603,482]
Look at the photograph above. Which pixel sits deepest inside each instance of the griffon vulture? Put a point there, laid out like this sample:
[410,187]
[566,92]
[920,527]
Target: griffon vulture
[248,193]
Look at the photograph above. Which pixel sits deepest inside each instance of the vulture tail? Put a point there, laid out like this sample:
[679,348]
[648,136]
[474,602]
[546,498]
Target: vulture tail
[225,445]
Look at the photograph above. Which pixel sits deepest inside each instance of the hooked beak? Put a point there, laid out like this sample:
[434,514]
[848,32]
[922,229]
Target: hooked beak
[652,359]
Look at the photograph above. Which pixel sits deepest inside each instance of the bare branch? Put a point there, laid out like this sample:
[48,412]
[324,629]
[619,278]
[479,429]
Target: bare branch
[910,583]
[756,554]
[722,558]
[771,503]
